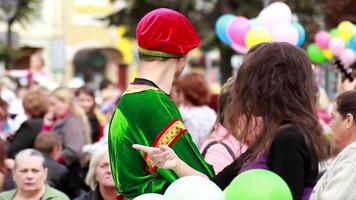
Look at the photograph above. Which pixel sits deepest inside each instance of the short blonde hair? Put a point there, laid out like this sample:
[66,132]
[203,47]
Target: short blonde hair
[90,179]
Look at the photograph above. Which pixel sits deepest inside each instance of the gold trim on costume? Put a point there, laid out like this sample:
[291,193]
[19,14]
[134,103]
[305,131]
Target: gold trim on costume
[138,88]
[167,136]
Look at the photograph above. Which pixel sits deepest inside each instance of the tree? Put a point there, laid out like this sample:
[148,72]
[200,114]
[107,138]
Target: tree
[23,12]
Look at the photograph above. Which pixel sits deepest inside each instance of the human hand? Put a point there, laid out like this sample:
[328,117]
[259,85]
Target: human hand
[48,119]
[163,156]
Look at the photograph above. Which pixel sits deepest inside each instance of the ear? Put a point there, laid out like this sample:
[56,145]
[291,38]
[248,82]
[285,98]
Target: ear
[349,120]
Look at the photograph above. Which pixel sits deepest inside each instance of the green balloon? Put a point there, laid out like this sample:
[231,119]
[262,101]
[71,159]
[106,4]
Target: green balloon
[258,184]
[315,53]
[333,32]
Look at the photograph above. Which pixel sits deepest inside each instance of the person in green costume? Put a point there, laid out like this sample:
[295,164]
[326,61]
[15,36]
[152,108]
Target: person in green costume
[145,113]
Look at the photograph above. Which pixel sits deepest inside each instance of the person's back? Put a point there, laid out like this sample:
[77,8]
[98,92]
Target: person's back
[146,115]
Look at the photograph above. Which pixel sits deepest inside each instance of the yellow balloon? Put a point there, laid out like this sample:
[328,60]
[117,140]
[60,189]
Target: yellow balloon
[256,36]
[328,54]
[345,29]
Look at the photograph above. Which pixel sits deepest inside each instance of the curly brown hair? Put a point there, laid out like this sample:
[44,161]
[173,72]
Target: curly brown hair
[36,103]
[276,82]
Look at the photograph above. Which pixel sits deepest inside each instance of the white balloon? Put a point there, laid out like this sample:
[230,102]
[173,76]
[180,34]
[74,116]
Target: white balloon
[149,196]
[193,188]
[275,14]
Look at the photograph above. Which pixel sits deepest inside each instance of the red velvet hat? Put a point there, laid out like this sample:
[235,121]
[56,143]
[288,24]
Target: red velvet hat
[166,33]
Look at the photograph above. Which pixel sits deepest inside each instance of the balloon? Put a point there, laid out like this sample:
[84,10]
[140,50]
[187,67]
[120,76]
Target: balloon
[333,32]
[254,22]
[238,29]
[285,33]
[221,27]
[149,196]
[238,48]
[256,36]
[345,29]
[336,45]
[315,53]
[301,33]
[352,42]
[275,14]
[258,184]
[193,188]
[322,39]
[328,54]
[348,56]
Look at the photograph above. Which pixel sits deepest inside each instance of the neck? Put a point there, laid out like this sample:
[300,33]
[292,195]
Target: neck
[161,73]
[108,193]
[32,195]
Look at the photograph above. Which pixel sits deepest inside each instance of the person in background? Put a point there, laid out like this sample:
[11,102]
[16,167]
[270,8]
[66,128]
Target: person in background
[275,83]
[3,119]
[6,165]
[338,182]
[145,113]
[35,74]
[86,99]
[99,177]
[221,148]
[35,104]
[49,144]
[69,121]
[193,93]
[30,176]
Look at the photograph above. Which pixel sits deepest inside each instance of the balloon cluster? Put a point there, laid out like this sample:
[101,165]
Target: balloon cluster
[252,184]
[339,42]
[274,23]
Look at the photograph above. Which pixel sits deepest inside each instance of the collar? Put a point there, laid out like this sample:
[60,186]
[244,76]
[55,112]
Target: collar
[142,81]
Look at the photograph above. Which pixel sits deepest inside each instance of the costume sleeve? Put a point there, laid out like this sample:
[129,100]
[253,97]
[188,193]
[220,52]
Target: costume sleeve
[149,119]
[128,168]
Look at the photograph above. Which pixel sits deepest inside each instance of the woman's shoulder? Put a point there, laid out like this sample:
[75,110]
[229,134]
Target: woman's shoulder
[289,133]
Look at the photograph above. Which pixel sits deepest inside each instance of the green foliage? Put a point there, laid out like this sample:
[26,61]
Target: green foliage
[25,11]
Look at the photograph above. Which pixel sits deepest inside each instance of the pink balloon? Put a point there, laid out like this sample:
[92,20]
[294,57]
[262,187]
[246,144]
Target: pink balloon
[238,29]
[336,45]
[239,48]
[285,33]
[348,56]
[322,39]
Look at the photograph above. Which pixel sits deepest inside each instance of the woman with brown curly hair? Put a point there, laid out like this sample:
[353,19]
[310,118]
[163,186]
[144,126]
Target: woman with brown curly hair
[275,83]
[35,104]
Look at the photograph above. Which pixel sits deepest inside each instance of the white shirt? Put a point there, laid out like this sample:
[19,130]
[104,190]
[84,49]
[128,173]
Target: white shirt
[339,181]
[199,121]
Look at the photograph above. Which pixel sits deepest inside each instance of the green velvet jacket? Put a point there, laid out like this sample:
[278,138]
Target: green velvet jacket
[146,115]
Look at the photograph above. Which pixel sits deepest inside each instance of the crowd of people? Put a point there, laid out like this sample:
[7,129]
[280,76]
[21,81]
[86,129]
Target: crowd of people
[63,144]
[48,153]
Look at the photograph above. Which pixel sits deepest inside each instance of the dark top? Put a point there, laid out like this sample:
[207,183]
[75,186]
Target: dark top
[289,158]
[57,173]
[95,195]
[25,136]
[91,195]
